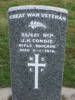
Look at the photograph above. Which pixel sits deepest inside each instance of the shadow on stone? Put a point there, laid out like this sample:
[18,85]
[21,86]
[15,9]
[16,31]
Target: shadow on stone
[73,97]
[63,98]
[10,98]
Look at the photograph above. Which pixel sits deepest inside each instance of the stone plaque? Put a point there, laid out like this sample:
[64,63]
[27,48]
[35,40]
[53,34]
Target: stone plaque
[37,42]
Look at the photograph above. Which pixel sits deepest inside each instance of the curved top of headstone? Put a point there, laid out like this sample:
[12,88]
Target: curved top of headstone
[43,7]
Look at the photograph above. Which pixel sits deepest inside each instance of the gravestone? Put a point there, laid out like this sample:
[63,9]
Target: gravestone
[37,42]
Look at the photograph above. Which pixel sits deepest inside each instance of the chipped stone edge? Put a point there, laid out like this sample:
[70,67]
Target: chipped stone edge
[41,7]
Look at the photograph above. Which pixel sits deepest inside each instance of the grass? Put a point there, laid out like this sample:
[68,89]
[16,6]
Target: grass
[69,66]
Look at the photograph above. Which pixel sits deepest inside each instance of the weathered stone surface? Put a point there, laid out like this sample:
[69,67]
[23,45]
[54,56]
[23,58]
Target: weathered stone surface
[37,42]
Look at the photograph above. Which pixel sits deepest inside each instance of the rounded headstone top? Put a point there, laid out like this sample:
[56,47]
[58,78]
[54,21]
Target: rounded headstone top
[41,7]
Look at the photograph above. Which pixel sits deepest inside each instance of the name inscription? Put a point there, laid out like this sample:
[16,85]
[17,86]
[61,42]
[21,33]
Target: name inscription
[44,44]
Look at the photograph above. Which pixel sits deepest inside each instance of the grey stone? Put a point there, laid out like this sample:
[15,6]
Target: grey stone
[67,93]
[37,43]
